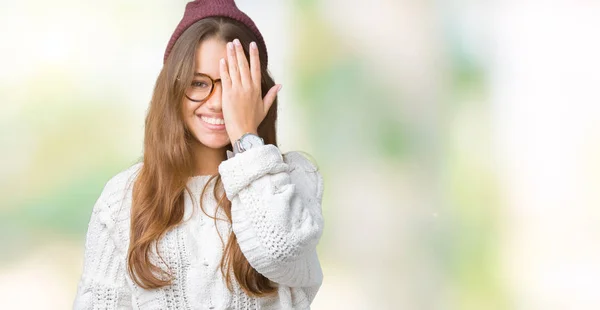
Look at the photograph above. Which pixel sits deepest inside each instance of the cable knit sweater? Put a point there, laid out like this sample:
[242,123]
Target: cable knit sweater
[276,217]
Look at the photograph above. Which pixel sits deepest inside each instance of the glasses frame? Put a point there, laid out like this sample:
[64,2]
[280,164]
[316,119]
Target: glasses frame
[212,87]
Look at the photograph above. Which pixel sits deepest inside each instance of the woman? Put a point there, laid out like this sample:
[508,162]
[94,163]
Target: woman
[215,217]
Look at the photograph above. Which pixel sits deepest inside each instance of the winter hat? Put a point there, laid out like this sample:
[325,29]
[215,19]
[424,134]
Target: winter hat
[199,9]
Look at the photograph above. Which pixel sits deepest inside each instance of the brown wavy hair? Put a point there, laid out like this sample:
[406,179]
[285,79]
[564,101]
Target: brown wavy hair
[158,193]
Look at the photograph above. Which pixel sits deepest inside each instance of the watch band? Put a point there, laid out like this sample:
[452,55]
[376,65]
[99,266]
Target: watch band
[237,148]
[237,145]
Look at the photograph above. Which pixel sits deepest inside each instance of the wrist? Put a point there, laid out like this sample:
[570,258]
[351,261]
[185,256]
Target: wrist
[237,134]
[246,142]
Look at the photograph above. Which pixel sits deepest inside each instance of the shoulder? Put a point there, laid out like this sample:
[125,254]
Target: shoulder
[304,172]
[124,177]
[121,182]
[108,226]
[116,191]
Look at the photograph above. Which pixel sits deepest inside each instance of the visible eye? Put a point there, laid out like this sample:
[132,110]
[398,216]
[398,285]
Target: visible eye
[200,84]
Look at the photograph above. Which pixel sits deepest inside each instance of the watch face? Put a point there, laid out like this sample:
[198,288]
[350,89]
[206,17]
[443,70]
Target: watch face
[250,141]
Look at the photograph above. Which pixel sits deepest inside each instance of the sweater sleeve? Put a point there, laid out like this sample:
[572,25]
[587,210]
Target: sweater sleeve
[276,213]
[103,284]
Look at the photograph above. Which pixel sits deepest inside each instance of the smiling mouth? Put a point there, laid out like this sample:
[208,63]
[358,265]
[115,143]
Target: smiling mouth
[212,123]
[212,120]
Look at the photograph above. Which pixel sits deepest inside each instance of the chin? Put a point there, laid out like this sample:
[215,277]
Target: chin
[214,144]
[212,141]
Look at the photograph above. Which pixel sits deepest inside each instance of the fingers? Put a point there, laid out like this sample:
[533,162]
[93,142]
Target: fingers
[255,65]
[242,63]
[270,97]
[235,70]
[225,78]
[232,64]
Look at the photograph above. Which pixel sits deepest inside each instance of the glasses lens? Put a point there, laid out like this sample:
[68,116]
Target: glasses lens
[200,88]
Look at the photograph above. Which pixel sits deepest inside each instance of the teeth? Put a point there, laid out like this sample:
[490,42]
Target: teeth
[214,121]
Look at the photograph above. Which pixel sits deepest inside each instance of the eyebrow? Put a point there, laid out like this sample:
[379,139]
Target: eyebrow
[200,73]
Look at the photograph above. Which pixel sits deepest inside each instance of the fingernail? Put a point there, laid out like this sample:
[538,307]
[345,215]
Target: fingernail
[230,45]
[253,45]
[236,42]
[223,61]
[280,86]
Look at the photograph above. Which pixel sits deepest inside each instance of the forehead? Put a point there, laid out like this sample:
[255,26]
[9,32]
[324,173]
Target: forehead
[208,54]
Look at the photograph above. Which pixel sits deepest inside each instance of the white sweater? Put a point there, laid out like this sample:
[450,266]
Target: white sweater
[277,219]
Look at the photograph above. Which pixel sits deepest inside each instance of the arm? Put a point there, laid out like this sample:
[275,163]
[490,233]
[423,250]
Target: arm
[276,213]
[102,283]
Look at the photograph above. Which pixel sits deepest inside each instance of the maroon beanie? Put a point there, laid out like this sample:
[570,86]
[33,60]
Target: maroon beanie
[199,9]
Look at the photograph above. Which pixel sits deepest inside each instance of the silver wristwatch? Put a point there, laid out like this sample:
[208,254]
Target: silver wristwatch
[246,142]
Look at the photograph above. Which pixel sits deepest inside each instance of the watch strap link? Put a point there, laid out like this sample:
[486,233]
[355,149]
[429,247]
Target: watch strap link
[237,145]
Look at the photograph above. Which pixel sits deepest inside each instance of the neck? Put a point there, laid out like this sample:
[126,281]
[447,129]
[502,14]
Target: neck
[206,159]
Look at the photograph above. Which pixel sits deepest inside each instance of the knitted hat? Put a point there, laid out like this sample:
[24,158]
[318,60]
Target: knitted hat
[199,9]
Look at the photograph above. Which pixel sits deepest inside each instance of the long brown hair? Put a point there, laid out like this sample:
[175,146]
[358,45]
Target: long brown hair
[158,193]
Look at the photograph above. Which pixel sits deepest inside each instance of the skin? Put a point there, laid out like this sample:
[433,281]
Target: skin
[237,100]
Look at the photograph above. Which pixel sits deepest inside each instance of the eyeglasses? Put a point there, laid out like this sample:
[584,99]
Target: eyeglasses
[202,87]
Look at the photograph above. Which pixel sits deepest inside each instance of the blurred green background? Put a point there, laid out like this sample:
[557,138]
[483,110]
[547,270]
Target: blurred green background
[459,142]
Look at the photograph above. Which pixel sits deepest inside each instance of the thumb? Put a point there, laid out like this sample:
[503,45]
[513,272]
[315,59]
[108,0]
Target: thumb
[270,97]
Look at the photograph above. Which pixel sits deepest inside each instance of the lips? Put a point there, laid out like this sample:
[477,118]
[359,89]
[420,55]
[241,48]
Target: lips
[213,120]
[213,127]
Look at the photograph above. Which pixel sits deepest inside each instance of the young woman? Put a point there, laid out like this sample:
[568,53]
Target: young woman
[215,217]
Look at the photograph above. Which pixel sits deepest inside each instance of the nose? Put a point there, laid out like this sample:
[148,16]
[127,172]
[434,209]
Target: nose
[214,100]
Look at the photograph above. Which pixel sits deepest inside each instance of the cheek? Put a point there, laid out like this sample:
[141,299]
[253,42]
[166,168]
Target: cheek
[189,107]
[188,113]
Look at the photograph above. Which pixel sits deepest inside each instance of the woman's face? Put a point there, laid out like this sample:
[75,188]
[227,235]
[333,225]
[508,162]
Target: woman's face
[205,119]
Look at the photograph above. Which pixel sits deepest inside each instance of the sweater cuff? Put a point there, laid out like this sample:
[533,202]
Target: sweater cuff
[238,172]
[257,255]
